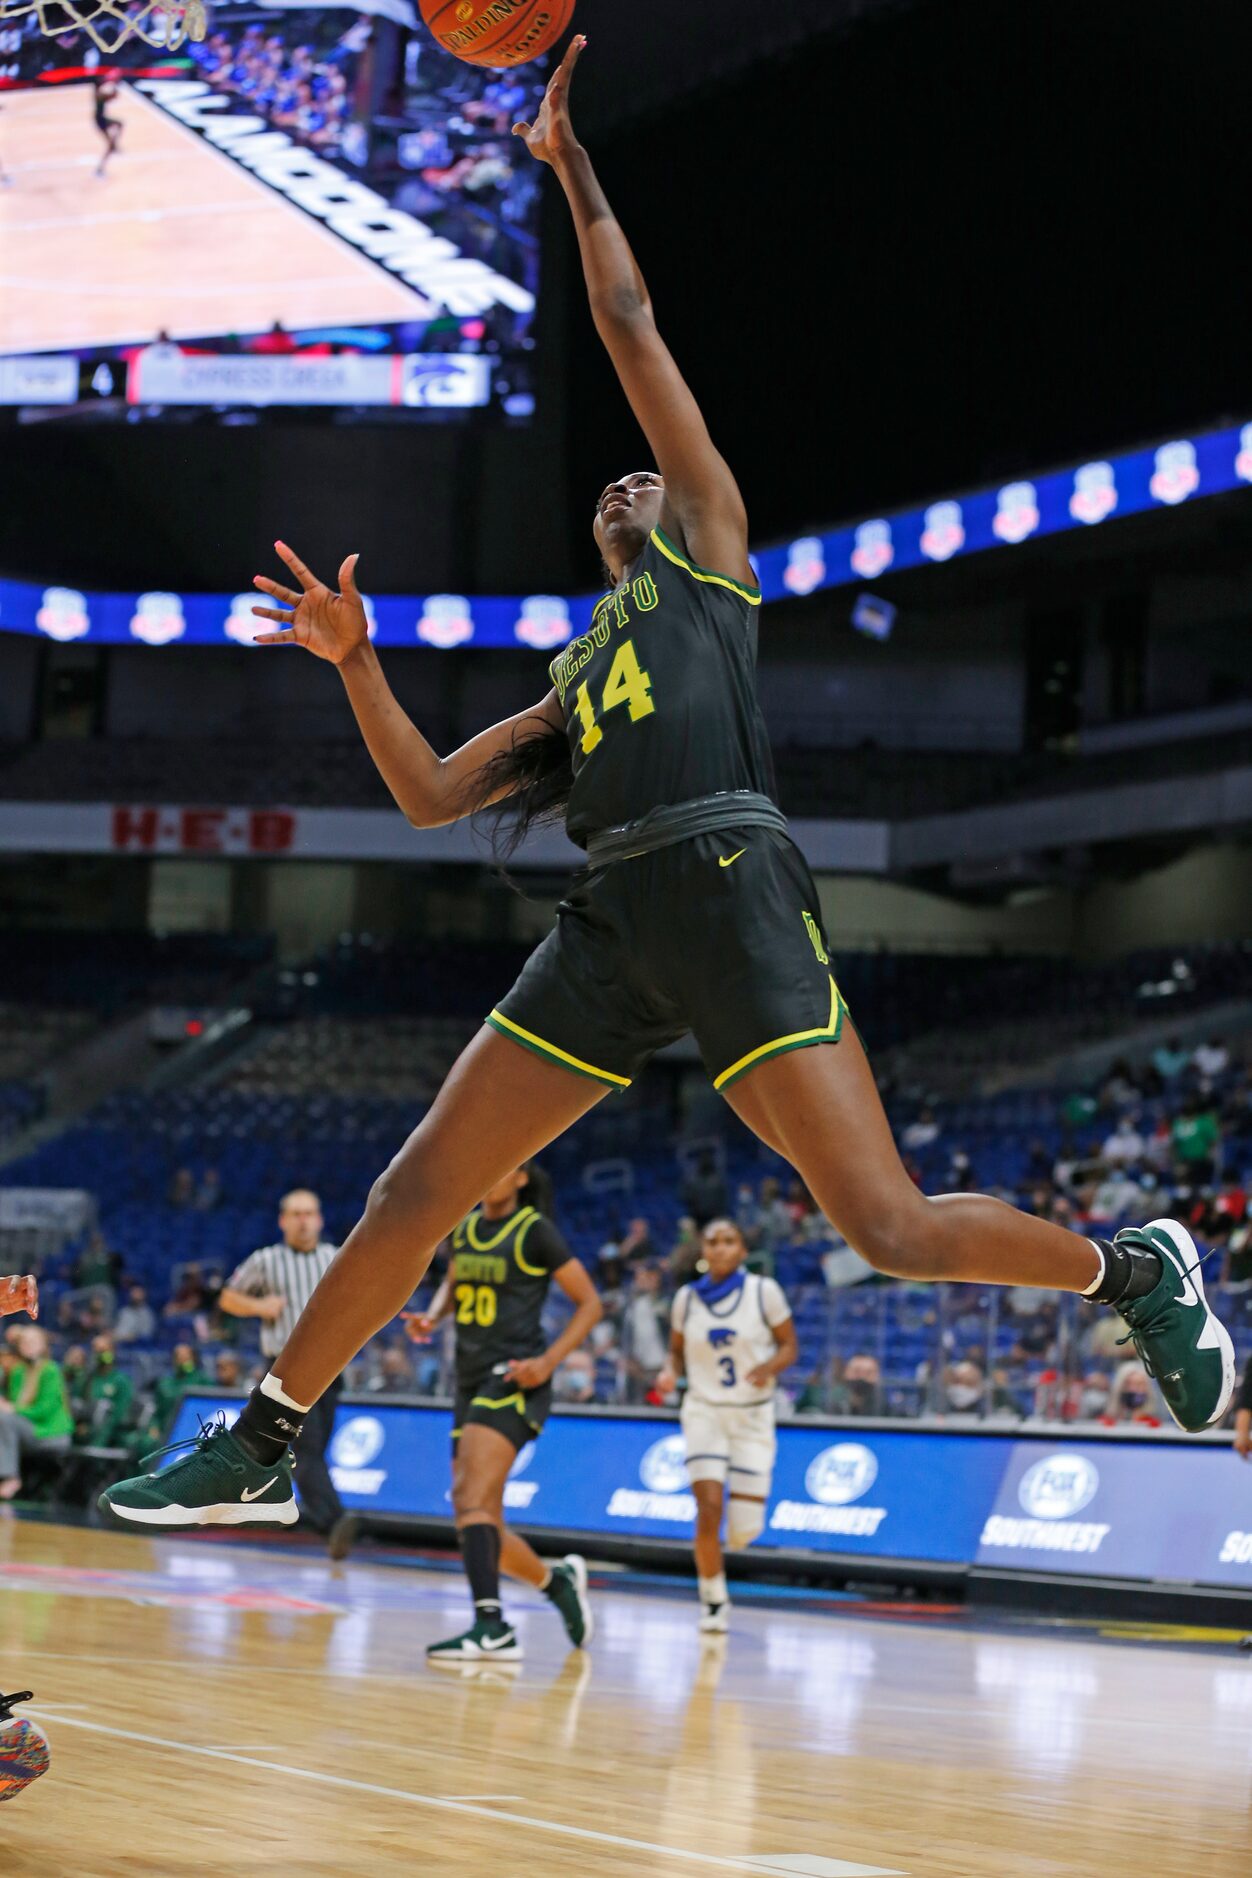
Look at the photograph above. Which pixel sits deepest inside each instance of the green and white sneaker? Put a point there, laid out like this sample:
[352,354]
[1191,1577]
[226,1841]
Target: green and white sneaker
[487,1637]
[217,1484]
[1182,1345]
[568,1591]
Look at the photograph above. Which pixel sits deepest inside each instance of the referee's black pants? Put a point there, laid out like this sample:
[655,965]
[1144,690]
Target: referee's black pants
[320,1504]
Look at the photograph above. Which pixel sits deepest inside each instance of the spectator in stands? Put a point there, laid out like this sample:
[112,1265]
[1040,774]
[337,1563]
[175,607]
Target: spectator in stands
[922,1132]
[1094,1396]
[749,1216]
[182,1188]
[862,1392]
[34,1412]
[645,1325]
[1212,1059]
[575,1379]
[394,1373]
[188,1299]
[1125,1147]
[1237,1265]
[228,1372]
[800,1208]
[1120,1087]
[75,1370]
[209,1191]
[97,1264]
[108,1398]
[1196,1137]
[1116,1198]
[136,1321]
[1066,1165]
[960,1176]
[684,1261]
[777,1220]
[704,1190]
[964,1386]
[84,1313]
[184,1373]
[1169,1060]
[635,1246]
[1131,1398]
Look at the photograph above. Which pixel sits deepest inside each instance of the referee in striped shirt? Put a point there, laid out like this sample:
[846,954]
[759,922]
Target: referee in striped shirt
[274,1284]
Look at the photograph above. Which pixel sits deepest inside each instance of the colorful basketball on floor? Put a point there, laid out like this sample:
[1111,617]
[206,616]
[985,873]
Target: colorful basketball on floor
[23,1752]
[497,32]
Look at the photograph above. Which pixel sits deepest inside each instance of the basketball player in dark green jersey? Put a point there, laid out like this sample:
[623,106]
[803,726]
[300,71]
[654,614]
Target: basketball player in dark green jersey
[696,913]
[502,1261]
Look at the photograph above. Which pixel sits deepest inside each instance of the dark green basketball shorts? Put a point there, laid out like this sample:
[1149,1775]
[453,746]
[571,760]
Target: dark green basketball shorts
[720,934]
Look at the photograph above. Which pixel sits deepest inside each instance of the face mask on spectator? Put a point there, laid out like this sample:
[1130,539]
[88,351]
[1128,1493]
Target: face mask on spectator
[963,1395]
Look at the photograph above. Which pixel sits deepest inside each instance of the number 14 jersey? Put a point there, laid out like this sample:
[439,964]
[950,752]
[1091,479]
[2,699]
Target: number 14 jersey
[659,693]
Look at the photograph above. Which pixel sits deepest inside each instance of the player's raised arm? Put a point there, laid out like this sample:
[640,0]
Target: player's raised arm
[430,790]
[700,490]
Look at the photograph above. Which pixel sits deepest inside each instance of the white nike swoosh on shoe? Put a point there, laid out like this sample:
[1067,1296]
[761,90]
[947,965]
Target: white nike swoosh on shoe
[1188,1293]
[255,1493]
[489,1645]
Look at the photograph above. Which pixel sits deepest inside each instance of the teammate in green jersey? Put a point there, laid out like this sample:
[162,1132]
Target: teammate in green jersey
[502,1260]
[696,912]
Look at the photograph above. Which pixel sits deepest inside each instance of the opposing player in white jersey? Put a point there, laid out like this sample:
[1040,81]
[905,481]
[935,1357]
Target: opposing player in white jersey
[732,1336]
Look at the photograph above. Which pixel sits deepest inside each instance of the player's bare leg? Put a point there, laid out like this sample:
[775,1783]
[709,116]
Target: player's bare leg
[820,1108]
[710,1498]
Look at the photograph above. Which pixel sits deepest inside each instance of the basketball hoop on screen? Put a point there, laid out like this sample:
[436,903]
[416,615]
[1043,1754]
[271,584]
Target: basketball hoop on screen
[110,23]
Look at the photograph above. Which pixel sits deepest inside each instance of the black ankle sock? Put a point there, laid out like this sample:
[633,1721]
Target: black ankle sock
[266,1428]
[1129,1272]
[480,1549]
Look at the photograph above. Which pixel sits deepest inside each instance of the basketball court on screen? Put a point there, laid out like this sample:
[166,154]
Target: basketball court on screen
[175,237]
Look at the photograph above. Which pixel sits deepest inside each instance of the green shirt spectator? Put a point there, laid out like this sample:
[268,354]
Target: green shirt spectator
[1196,1135]
[37,1392]
[170,1389]
[108,1398]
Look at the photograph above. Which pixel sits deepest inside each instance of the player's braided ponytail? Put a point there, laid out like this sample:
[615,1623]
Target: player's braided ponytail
[522,787]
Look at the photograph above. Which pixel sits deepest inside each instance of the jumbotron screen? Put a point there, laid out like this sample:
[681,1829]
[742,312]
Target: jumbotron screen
[314,206]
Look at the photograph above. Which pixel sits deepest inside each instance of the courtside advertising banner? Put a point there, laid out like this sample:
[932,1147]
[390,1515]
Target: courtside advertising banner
[1134,1509]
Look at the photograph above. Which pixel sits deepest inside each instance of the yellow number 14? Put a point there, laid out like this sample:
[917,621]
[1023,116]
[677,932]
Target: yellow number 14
[627,683]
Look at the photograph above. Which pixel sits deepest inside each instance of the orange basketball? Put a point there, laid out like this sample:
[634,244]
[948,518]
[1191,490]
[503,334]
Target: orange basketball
[497,32]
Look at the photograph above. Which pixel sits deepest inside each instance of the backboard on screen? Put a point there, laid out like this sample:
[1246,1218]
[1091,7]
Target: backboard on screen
[312,205]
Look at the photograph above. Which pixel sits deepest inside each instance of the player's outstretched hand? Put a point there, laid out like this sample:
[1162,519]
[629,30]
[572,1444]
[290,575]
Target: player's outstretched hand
[330,625]
[19,1294]
[552,134]
[418,1326]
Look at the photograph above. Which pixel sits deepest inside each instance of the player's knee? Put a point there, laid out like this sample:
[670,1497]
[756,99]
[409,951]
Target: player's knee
[745,1522]
[708,1516]
[393,1200]
[471,1498]
[906,1242]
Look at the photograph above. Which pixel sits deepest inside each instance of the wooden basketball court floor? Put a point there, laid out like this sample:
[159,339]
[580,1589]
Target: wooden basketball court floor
[227,1710]
[175,236]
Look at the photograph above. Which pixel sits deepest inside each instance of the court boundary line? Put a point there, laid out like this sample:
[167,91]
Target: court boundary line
[370,268]
[558,1828]
[328,235]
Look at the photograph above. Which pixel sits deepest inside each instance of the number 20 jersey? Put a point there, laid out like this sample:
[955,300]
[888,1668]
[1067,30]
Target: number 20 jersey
[500,1271]
[724,1341]
[659,693]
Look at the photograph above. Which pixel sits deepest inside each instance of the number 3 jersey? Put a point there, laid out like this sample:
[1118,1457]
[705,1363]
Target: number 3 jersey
[659,693]
[500,1271]
[726,1333]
